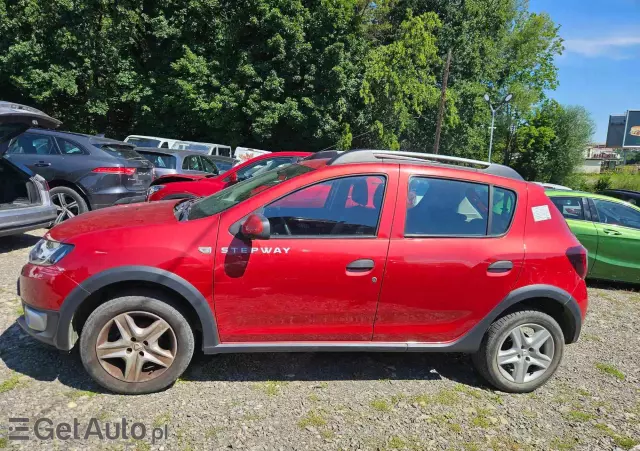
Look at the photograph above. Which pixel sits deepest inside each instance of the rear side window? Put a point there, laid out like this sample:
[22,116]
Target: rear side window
[69,148]
[442,207]
[119,151]
[159,160]
[569,207]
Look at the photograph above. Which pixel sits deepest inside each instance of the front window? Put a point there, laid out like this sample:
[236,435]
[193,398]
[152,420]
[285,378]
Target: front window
[144,142]
[617,214]
[242,191]
[208,166]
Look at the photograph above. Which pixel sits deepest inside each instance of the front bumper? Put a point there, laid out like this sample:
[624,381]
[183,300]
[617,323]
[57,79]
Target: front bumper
[131,200]
[40,324]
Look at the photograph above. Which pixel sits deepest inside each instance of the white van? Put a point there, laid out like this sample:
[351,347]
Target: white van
[243,154]
[208,148]
[150,141]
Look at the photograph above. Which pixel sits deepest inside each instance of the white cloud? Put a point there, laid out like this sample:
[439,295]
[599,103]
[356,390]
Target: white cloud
[615,47]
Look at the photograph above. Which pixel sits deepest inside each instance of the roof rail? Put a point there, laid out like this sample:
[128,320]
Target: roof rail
[372,156]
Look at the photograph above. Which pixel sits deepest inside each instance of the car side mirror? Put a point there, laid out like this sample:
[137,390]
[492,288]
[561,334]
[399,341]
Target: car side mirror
[233,178]
[256,226]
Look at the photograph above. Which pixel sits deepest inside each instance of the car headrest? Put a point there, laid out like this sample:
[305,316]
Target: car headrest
[360,192]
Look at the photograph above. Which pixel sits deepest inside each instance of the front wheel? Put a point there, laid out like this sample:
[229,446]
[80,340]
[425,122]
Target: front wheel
[520,351]
[136,345]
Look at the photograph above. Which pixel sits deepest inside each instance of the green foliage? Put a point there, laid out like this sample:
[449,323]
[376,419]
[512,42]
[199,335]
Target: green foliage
[603,182]
[294,74]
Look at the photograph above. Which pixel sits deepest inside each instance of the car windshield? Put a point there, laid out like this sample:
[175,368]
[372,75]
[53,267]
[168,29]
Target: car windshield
[144,142]
[242,191]
[160,160]
[119,150]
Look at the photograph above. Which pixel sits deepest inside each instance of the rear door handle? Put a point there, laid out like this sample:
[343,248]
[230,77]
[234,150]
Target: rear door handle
[500,266]
[362,265]
[611,232]
[42,164]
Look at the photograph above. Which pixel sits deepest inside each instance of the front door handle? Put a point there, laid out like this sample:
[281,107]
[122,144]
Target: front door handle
[611,232]
[362,265]
[500,266]
[42,164]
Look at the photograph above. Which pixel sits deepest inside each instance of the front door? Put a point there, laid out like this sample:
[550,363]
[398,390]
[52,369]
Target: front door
[319,275]
[452,258]
[38,152]
[618,229]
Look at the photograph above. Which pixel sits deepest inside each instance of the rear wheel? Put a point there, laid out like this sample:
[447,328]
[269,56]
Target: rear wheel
[520,351]
[136,344]
[68,203]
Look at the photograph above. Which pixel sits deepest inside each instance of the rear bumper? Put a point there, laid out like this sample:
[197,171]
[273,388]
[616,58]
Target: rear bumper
[24,219]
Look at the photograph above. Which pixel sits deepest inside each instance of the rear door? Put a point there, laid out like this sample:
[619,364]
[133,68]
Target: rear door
[452,258]
[618,228]
[577,213]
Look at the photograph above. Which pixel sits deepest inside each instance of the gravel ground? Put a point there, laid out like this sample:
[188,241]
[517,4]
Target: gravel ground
[336,401]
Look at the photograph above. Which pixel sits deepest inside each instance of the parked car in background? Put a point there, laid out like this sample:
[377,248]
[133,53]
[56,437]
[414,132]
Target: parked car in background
[553,186]
[25,203]
[267,266]
[150,141]
[610,230]
[172,161]
[633,197]
[84,172]
[207,148]
[245,153]
[190,186]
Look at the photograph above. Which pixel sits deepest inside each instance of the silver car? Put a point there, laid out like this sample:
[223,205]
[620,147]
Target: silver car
[25,203]
[175,161]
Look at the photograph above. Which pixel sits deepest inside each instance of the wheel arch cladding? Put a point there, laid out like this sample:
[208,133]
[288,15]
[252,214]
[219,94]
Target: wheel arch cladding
[548,299]
[91,293]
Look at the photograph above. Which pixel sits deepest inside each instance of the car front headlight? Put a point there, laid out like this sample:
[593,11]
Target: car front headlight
[47,253]
[153,189]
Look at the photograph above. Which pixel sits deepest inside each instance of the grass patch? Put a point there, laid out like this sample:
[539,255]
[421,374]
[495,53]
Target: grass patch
[591,337]
[498,399]
[19,310]
[563,444]
[576,415]
[611,370]
[161,420]
[622,441]
[481,419]
[421,400]
[4,443]
[75,394]
[380,405]
[213,432]
[395,399]
[313,397]
[468,391]
[312,418]
[446,397]
[583,392]
[10,384]
[396,442]
[270,388]
[455,427]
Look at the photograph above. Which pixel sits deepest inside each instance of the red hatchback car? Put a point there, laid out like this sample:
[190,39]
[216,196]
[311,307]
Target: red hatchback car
[365,251]
[185,186]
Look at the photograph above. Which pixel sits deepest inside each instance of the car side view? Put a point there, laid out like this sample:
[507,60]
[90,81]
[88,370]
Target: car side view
[610,230]
[84,172]
[171,161]
[364,251]
[189,186]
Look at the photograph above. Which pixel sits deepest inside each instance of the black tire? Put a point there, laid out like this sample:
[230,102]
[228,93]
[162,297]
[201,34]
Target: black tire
[485,360]
[105,312]
[63,192]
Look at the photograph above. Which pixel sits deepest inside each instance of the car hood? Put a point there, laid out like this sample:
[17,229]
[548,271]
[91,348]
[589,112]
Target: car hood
[119,217]
[16,119]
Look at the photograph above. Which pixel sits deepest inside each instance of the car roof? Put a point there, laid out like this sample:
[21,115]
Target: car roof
[176,152]
[401,157]
[151,137]
[560,193]
[97,140]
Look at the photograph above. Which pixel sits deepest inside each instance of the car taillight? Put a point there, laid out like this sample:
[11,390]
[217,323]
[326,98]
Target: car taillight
[578,257]
[115,170]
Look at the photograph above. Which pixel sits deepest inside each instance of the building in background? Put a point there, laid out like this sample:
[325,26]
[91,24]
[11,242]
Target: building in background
[598,158]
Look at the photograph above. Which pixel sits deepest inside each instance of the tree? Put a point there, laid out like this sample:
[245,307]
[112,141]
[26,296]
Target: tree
[552,143]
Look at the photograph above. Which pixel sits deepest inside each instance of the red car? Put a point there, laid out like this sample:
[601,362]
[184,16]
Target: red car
[366,251]
[182,186]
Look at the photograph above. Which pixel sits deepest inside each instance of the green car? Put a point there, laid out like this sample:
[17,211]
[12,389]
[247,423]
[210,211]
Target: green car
[610,230]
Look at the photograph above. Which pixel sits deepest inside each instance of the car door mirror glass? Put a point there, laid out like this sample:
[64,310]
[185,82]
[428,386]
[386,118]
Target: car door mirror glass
[256,226]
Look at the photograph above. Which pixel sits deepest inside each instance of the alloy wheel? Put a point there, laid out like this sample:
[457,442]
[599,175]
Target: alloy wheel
[136,346]
[66,205]
[525,353]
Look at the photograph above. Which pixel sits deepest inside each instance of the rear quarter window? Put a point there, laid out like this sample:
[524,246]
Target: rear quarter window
[118,150]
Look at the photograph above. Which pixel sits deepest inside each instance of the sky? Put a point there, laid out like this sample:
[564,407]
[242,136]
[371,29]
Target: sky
[600,66]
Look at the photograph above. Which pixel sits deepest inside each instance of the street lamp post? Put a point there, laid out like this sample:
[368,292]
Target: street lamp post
[493,117]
